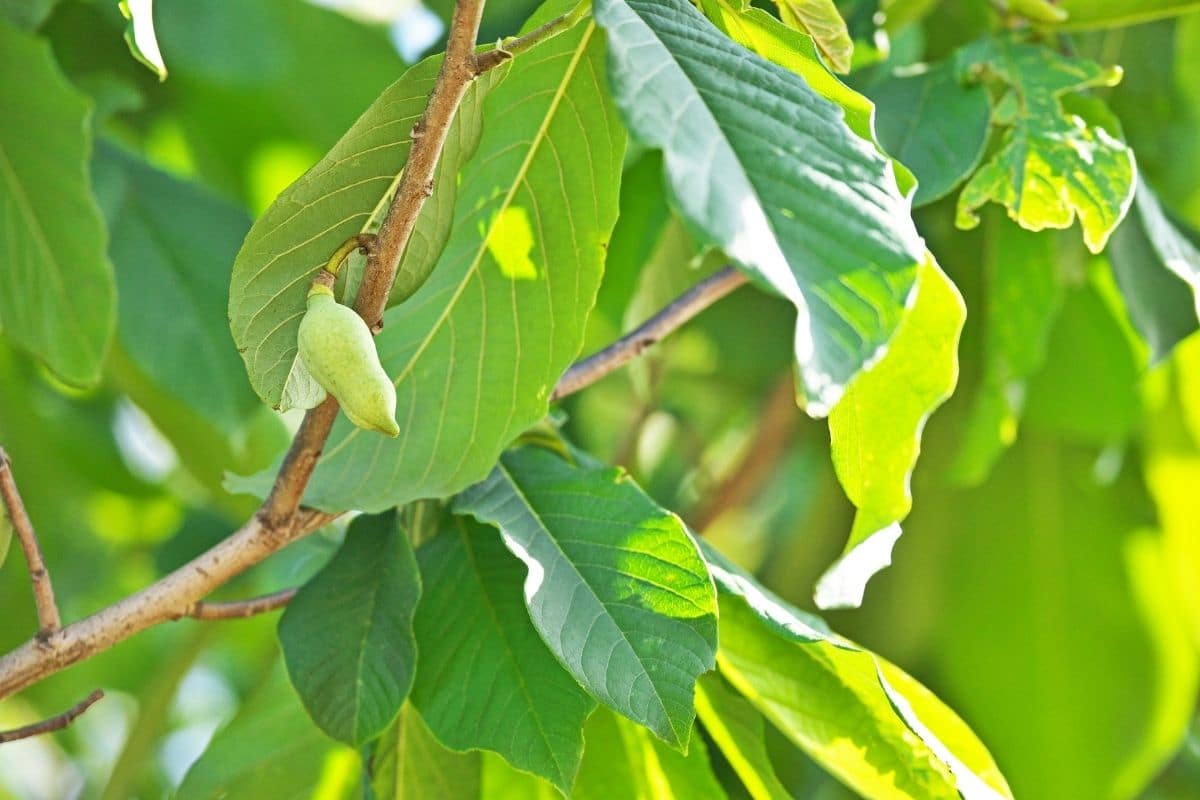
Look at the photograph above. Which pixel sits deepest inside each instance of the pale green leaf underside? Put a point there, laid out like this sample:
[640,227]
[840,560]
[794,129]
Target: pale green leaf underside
[487,680]
[345,193]
[57,293]
[820,20]
[615,585]
[140,35]
[409,763]
[766,168]
[1051,165]
[830,698]
[475,352]
[875,431]
[347,636]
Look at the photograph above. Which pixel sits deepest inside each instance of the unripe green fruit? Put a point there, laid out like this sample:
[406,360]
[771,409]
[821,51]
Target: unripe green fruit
[339,352]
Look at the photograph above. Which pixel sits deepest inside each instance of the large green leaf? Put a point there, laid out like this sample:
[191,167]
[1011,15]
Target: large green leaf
[486,680]
[1053,163]
[841,704]
[1114,13]
[344,193]
[615,585]
[348,637]
[270,749]
[476,351]
[1059,634]
[737,729]
[1158,270]
[933,123]
[1024,292]
[875,432]
[409,763]
[766,168]
[57,295]
[820,20]
[173,242]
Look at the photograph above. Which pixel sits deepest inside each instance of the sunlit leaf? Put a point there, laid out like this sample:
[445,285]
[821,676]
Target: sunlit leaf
[765,192]
[140,36]
[1118,13]
[875,431]
[738,729]
[820,20]
[614,585]
[1054,163]
[409,763]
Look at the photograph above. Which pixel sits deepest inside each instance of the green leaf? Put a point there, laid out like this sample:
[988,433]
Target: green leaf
[171,242]
[1157,268]
[935,124]
[486,680]
[615,585]
[409,763]
[1024,292]
[820,20]
[1053,163]
[345,193]
[270,749]
[26,14]
[1120,13]
[623,760]
[476,351]
[1060,564]
[57,296]
[875,432]
[737,729]
[753,155]
[140,36]
[831,698]
[348,637]
[6,534]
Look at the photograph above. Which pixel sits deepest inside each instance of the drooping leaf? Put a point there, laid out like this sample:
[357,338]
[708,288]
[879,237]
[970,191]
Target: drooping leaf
[1054,163]
[344,193]
[348,637]
[820,20]
[615,585]
[1157,268]
[737,729]
[875,432]
[409,763]
[140,36]
[476,351]
[1024,292]
[173,242]
[57,295]
[764,191]
[934,124]
[1061,562]
[624,760]
[486,679]
[270,749]
[1120,13]
[830,697]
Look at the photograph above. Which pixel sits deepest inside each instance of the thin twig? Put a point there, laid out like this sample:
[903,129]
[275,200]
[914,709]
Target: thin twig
[54,723]
[241,609]
[49,620]
[633,344]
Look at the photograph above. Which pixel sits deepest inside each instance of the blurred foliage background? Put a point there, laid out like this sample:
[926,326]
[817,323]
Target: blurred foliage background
[1046,586]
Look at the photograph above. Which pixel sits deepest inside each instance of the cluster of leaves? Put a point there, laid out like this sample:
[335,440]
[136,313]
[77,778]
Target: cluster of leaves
[507,621]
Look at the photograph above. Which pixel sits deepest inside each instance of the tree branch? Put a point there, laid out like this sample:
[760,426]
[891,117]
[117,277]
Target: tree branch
[241,609]
[54,723]
[633,344]
[49,620]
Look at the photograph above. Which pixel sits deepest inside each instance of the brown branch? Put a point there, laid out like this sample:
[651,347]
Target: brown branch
[241,609]
[49,620]
[591,369]
[54,723]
